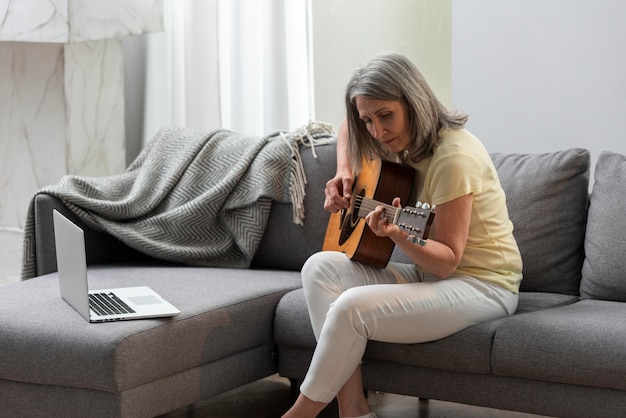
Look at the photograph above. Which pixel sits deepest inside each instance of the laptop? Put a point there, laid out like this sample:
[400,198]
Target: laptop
[99,305]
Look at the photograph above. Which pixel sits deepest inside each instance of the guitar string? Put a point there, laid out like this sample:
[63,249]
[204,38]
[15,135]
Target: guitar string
[372,204]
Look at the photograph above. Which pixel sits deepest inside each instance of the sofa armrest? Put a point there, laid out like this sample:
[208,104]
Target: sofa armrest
[100,247]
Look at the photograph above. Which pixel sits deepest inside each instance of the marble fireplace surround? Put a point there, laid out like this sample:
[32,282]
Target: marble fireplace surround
[61,99]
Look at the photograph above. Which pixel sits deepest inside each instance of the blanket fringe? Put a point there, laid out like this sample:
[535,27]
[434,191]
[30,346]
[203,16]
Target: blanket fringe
[313,134]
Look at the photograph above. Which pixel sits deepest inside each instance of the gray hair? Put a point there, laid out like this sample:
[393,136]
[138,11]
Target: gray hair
[392,76]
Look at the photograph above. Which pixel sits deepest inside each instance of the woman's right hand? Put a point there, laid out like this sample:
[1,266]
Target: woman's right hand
[338,192]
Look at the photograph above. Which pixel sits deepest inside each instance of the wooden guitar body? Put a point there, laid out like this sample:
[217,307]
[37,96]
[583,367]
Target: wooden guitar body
[348,232]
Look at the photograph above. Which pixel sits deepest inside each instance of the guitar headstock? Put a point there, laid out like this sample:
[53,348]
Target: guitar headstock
[416,220]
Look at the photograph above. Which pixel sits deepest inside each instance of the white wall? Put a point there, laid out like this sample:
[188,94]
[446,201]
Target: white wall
[348,33]
[538,76]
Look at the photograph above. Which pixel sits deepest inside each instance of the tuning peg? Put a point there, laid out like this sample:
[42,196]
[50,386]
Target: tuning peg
[407,227]
[416,240]
[423,205]
[417,211]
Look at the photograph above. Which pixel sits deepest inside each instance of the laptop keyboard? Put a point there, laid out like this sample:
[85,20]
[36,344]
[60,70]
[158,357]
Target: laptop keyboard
[108,304]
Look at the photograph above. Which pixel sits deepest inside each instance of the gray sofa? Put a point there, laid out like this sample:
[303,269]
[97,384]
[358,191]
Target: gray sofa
[562,354]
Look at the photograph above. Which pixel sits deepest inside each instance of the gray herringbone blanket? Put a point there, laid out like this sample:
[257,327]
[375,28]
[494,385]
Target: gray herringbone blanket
[191,197]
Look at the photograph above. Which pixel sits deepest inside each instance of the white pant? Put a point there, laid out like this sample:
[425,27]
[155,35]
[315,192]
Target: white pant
[398,305]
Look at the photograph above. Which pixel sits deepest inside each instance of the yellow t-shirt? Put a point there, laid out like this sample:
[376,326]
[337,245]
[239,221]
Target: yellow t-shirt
[461,165]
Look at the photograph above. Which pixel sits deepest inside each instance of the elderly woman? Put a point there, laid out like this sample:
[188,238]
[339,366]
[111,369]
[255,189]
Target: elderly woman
[468,271]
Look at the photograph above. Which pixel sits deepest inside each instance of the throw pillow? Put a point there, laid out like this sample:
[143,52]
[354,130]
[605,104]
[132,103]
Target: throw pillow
[547,197]
[604,269]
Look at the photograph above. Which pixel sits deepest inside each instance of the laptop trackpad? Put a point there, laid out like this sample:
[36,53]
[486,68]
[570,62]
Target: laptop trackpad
[144,300]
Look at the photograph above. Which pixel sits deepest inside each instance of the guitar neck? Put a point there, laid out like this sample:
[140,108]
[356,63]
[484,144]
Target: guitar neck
[414,220]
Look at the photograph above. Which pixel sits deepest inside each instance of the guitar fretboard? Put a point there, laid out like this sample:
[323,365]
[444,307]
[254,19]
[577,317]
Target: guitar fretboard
[365,205]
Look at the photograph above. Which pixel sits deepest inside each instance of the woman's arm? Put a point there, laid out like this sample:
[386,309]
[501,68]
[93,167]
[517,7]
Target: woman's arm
[339,188]
[446,245]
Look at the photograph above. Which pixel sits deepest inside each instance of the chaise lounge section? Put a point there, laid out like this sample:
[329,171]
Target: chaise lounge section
[54,363]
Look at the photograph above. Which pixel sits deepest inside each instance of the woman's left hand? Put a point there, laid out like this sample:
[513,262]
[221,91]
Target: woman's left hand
[448,236]
[378,223]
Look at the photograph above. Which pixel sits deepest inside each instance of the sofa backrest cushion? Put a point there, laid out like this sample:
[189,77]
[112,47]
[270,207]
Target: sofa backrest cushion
[604,268]
[286,245]
[547,197]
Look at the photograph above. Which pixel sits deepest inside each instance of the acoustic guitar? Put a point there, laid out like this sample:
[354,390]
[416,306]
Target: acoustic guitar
[379,181]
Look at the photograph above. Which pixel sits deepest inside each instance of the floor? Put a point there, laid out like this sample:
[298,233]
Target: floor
[270,397]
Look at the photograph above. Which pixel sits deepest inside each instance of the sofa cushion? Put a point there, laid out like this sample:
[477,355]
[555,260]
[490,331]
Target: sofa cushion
[547,198]
[467,351]
[223,312]
[535,301]
[604,269]
[286,245]
[580,344]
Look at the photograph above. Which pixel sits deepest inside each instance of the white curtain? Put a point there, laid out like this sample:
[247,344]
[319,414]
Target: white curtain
[243,65]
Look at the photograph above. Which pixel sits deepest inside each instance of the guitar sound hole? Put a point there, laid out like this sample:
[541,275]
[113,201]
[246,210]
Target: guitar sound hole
[350,219]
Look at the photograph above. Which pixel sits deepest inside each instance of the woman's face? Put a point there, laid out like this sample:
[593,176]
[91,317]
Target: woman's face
[386,120]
